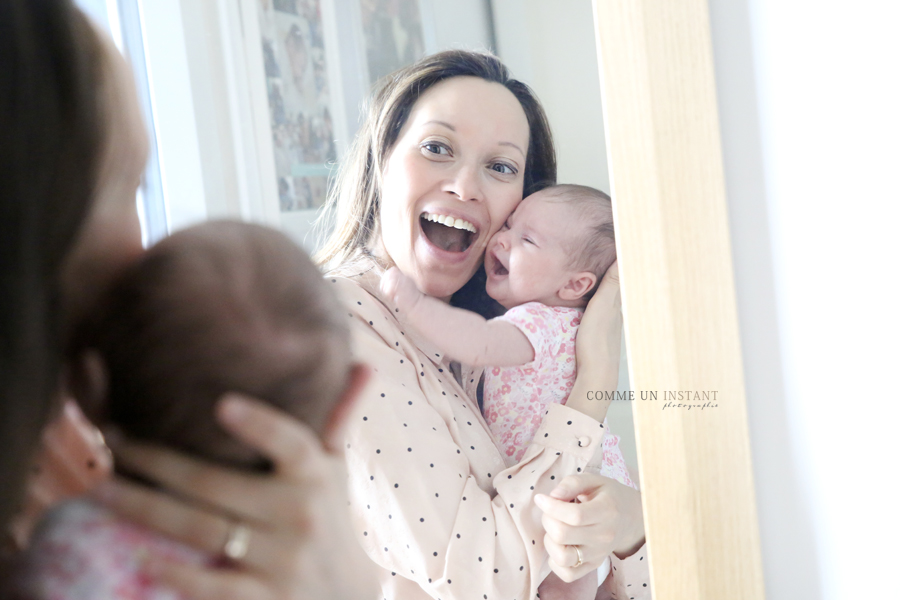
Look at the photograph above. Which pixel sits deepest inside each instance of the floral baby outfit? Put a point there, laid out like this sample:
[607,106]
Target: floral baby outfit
[516,398]
[82,551]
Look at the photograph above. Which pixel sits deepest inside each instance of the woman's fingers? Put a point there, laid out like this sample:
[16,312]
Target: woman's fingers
[172,518]
[603,318]
[597,514]
[563,559]
[245,495]
[598,349]
[612,274]
[284,440]
[296,451]
[574,500]
[581,487]
[588,535]
[561,510]
[203,583]
[570,524]
[607,517]
[165,514]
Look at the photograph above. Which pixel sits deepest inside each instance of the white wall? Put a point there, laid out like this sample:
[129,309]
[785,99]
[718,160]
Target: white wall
[808,95]
[551,46]
[462,24]
[210,105]
[174,118]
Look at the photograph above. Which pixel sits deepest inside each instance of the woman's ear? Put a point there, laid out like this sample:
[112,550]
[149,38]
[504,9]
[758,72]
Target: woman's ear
[88,382]
[578,285]
[356,381]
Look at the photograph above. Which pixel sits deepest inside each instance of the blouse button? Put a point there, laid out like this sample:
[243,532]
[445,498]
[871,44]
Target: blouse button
[584,441]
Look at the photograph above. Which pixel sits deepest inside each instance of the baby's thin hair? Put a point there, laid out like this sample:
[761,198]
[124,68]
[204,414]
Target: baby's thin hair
[595,250]
[221,307]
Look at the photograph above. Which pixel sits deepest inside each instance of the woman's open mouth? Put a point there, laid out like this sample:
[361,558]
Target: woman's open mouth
[448,233]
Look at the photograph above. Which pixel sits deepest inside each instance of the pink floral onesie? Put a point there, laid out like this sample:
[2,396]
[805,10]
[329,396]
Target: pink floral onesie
[82,551]
[516,398]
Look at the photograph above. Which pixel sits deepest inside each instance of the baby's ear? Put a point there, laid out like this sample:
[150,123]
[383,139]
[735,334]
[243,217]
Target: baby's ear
[578,285]
[88,381]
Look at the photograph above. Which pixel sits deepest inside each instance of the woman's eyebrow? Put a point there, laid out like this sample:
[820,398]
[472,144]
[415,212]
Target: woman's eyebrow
[444,123]
[510,144]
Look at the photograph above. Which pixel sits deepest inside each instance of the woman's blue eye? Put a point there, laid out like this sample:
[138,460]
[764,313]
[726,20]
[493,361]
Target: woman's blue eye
[503,169]
[436,148]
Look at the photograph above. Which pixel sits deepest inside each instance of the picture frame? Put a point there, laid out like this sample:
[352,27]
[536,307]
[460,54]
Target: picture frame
[339,48]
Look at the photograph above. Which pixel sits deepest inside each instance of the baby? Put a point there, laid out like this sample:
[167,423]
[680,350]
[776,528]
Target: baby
[221,307]
[542,266]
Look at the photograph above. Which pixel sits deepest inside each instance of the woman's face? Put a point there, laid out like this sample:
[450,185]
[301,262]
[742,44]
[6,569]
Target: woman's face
[110,238]
[452,178]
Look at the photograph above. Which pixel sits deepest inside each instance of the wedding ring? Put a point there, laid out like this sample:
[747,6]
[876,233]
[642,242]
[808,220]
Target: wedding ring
[580,561]
[237,541]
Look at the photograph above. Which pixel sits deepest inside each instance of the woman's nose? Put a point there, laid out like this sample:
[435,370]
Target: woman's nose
[465,184]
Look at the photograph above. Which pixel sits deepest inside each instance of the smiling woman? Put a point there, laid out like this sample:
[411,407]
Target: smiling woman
[462,144]
[450,146]
[507,155]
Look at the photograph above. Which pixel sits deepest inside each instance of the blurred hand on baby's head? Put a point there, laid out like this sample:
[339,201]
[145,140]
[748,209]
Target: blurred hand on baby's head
[217,308]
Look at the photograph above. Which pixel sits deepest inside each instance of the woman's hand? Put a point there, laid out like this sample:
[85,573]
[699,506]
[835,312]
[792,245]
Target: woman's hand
[299,544]
[599,515]
[597,349]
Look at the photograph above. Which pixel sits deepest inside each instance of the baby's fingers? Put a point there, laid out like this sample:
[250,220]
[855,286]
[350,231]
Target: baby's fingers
[390,282]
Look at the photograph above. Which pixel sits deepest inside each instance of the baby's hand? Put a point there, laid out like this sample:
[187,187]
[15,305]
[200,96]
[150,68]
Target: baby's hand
[400,289]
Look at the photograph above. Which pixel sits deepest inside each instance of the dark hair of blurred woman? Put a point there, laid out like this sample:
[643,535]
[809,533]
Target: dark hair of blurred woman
[50,138]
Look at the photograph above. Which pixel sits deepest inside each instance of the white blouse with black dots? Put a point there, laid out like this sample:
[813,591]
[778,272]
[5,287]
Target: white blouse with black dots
[432,501]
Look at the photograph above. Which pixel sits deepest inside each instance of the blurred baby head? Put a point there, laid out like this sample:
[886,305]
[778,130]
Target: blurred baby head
[220,307]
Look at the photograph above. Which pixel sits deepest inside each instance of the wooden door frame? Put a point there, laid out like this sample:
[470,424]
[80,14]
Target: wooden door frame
[681,322]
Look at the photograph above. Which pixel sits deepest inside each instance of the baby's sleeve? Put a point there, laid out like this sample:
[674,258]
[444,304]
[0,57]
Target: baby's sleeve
[540,324]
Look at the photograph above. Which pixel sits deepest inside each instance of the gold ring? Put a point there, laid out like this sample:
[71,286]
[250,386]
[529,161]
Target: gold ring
[580,561]
[237,541]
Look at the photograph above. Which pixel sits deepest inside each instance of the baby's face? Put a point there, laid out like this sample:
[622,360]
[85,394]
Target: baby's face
[528,260]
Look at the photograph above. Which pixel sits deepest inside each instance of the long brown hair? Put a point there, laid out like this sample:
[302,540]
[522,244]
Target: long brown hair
[51,131]
[353,203]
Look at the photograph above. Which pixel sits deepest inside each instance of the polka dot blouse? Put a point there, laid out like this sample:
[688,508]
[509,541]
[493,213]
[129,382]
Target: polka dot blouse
[432,501]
